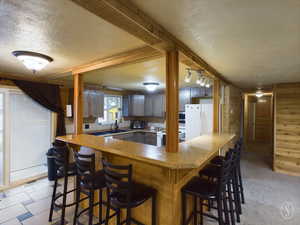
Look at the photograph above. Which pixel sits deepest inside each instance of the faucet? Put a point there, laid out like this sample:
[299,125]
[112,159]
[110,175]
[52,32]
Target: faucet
[115,126]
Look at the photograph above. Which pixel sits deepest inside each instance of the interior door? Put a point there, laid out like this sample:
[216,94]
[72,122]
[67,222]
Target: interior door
[263,119]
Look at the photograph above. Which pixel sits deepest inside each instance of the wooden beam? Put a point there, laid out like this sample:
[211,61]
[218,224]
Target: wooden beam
[32,78]
[78,103]
[172,98]
[216,100]
[127,16]
[133,56]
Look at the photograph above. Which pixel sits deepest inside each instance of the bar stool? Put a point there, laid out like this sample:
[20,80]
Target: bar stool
[205,190]
[123,193]
[88,180]
[64,170]
[212,172]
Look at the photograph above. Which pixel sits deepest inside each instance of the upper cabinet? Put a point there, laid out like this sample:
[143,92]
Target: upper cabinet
[184,98]
[93,104]
[158,105]
[137,103]
[150,105]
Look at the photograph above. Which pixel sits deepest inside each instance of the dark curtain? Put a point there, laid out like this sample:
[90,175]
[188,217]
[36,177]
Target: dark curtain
[48,96]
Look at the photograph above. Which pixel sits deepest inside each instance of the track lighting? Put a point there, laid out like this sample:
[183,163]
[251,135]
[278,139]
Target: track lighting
[202,80]
[188,76]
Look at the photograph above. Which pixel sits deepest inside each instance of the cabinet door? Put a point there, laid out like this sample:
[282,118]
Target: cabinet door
[184,98]
[125,106]
[158,105]
[149,105]
[138,102]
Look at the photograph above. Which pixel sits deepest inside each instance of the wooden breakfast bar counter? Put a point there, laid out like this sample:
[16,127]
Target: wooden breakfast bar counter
[166,172]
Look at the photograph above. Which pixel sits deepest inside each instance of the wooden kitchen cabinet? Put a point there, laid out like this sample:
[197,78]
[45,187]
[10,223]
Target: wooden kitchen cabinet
[137,103]
[158,105]
[149,105]
[184,97]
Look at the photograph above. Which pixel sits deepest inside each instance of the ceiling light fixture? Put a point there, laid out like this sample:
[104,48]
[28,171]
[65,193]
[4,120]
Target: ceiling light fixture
[151,86]
[32,60]
[188,76]
[259,93]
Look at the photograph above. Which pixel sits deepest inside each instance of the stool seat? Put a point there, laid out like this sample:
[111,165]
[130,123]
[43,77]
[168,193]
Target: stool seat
[218,160]
[211,170]
[71,171]
[139,194]
[201,187]
[93,182]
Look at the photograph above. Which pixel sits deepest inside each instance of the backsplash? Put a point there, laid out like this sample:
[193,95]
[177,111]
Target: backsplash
[94,126]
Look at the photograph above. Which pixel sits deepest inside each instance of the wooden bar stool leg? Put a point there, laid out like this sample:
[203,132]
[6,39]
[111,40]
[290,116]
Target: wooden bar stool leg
[153,219]
[100,206]
[220,211]
[128,217]
[91,203]
[183,208]
[53,200]
[107,208]
[77,200]
[241,188]
[63,210]
[231,209]
[195,210]
[201,211]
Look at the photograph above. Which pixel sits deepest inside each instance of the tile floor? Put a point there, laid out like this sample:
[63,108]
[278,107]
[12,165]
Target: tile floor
[271,198]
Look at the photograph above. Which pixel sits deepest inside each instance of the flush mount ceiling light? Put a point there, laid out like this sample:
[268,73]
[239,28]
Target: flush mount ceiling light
[32,60]
[259,93]
[188,76]
[151,86]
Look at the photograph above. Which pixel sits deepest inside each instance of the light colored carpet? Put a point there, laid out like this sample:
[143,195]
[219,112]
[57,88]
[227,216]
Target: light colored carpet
[271,198]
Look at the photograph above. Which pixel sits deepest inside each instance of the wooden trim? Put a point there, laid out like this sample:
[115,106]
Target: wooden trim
[26,77]
[78,103]
[216,101]
[24,181]
[172,99]
[127,16]
[246,116]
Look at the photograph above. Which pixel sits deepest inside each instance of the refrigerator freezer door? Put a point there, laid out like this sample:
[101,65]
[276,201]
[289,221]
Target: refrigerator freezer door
[192,121]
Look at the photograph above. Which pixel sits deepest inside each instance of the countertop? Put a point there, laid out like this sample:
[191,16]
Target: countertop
[192,154]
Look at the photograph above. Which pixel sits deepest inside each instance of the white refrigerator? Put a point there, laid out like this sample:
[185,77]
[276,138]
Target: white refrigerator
[198,119]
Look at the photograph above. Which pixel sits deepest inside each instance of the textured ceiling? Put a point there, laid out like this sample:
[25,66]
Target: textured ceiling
[132,76]
[59,28]
[252,43]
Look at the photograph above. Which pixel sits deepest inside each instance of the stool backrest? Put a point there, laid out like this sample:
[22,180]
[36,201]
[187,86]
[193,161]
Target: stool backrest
[226,170]
[61,157]
[85,164]
[118,179]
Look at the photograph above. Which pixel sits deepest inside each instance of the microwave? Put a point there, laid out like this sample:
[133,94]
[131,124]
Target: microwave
[182,117]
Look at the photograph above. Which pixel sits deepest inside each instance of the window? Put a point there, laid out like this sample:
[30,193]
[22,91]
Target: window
[112,109]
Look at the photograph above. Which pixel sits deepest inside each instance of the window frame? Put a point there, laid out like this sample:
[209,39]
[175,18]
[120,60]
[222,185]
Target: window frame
[101,120]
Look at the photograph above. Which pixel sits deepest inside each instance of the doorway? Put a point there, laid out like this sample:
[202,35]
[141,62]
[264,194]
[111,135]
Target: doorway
[258,129]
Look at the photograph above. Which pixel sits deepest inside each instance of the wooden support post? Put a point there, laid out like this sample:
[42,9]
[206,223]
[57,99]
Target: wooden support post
[172,88]
[216,100]
[78,103]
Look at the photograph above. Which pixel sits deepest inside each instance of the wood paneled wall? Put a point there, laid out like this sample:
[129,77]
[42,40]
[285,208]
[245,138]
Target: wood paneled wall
[287,129]
[231,110]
